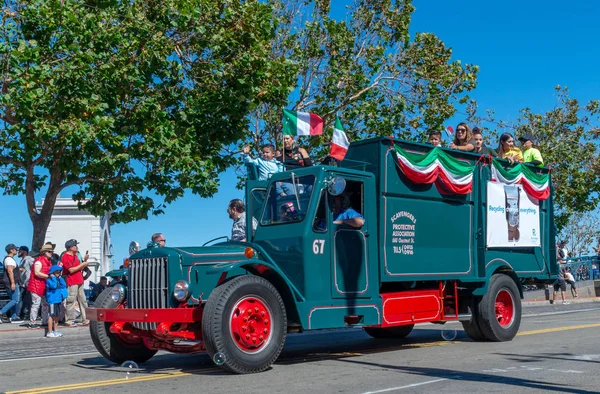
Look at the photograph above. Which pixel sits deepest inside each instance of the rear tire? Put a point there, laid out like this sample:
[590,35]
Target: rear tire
[112,346]
[397,332]
[499,311]
[471,327]
[245,320]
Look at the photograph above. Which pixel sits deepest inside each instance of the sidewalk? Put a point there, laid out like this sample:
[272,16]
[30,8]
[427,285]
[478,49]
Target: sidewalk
[584,288]
[19,328]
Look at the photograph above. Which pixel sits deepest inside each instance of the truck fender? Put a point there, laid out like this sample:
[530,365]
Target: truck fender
[499,266]
[289,293]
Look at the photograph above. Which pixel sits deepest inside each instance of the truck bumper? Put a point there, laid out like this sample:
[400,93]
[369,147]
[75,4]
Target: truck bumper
[175,315]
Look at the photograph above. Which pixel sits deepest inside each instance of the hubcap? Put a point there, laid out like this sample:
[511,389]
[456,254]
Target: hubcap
[505,308]
[251,325]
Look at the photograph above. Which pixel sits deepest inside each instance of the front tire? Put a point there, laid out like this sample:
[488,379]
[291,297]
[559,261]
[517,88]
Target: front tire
[499,311]
[112,346]
[245,320]
[397,332]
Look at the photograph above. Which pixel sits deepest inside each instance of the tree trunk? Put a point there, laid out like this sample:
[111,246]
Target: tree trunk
[41,220]
[40,227]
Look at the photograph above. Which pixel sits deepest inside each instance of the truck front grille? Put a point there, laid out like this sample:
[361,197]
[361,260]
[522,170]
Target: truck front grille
[148,286]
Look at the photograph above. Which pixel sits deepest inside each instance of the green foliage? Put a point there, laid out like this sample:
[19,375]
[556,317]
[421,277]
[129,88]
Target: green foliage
[367,68]
[124,98]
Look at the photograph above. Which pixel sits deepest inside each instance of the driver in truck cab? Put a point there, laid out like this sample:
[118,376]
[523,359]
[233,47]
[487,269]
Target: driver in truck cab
[344,214]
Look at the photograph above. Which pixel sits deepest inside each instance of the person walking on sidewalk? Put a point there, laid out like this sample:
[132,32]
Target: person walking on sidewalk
[571,280]
[25,266]
[562,285]
[12,282]
[56,292]
[72,270]
[37,284]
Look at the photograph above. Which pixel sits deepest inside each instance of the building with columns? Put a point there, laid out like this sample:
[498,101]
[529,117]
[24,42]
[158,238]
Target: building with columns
[92,233]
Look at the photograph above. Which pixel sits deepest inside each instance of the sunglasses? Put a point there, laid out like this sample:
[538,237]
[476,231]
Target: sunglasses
[459,130]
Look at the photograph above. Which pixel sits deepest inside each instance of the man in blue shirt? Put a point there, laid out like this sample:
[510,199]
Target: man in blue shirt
[344,214]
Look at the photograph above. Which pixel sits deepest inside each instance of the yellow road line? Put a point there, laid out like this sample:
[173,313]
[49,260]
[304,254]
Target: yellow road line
[109,382]
[171,375]
[566,328]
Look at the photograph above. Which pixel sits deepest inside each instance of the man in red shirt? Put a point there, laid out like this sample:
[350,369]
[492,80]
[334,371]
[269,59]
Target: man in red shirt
[72,271]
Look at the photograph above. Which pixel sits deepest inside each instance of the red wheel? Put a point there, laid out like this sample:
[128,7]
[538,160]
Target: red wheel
[499,311]
[505,308]
[251,322]
[245,320]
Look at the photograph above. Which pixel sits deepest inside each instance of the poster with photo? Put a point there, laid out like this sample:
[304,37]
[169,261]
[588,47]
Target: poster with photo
[513,218]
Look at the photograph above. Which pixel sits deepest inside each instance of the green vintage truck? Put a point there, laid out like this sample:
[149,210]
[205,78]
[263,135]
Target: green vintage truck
[447,235]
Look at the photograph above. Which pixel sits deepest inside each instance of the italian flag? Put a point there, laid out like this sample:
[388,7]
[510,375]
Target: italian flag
[339,142]
[453,175]
[301,123]
[536,185]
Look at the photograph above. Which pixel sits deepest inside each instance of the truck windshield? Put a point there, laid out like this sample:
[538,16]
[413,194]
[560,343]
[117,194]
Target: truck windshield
[288,200]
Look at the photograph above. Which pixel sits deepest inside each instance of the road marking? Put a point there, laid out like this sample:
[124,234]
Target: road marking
[407,386]
[43,357]
[109,382]
[556,329]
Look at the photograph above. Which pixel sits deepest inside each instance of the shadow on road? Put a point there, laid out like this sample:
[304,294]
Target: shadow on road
[473,377]
[299,348]
[529,358]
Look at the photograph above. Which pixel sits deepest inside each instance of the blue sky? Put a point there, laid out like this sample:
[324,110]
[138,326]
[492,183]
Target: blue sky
[524,49]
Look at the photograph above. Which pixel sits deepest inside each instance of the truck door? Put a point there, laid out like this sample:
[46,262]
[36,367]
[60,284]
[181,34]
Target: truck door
[349,252]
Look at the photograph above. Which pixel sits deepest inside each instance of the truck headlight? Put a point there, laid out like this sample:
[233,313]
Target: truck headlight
[181,292]
[118,293]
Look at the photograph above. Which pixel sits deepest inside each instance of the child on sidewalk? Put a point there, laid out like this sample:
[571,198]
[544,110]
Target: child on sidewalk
[56,292]
[267,165]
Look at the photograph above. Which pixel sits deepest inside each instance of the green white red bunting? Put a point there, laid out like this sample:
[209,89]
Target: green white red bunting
[301,123]
[456,176]
[536,185]
[339,141]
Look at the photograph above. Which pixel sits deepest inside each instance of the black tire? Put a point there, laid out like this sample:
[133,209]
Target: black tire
[110,345]
[225,307]
[496,327]
[397,332]
[471,327]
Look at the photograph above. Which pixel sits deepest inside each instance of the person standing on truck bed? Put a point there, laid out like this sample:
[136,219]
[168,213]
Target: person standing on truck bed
[480,147]
[507,149]
[293,156]
[463,139]
[344,214]
[237,212]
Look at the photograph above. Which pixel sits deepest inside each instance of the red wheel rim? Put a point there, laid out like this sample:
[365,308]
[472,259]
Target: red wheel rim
[251,324]
[505,308]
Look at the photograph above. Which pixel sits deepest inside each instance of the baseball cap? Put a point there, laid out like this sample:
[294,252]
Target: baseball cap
[24,249]
[527,137]
[70,243]
[55,268]
[10,247]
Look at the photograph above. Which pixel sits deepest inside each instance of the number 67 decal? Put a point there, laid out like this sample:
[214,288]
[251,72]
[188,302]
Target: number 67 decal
[318,245]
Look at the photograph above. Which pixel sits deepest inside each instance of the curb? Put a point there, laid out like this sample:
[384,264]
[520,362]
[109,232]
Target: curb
[580,300]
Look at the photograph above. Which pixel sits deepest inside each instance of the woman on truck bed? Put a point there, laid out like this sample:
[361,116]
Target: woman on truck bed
[463,139]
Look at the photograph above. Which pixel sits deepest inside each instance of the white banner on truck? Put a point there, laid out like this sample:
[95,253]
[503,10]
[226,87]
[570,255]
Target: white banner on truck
[513,218]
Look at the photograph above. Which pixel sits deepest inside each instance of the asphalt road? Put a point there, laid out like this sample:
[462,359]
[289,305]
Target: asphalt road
[556,350]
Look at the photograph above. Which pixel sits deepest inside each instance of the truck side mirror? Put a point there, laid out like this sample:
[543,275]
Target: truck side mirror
[336,186]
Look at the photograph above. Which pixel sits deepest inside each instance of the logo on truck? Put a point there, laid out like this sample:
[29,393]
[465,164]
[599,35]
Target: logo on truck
[403,234]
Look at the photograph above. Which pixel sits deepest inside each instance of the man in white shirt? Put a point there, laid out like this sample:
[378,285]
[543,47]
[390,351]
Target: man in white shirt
[12,282]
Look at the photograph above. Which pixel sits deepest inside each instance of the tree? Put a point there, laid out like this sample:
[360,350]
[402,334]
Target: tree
[366,69]
[567,137]
[121,100]
[582,232]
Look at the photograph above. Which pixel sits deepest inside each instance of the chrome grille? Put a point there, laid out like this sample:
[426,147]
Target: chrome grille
[148,286]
